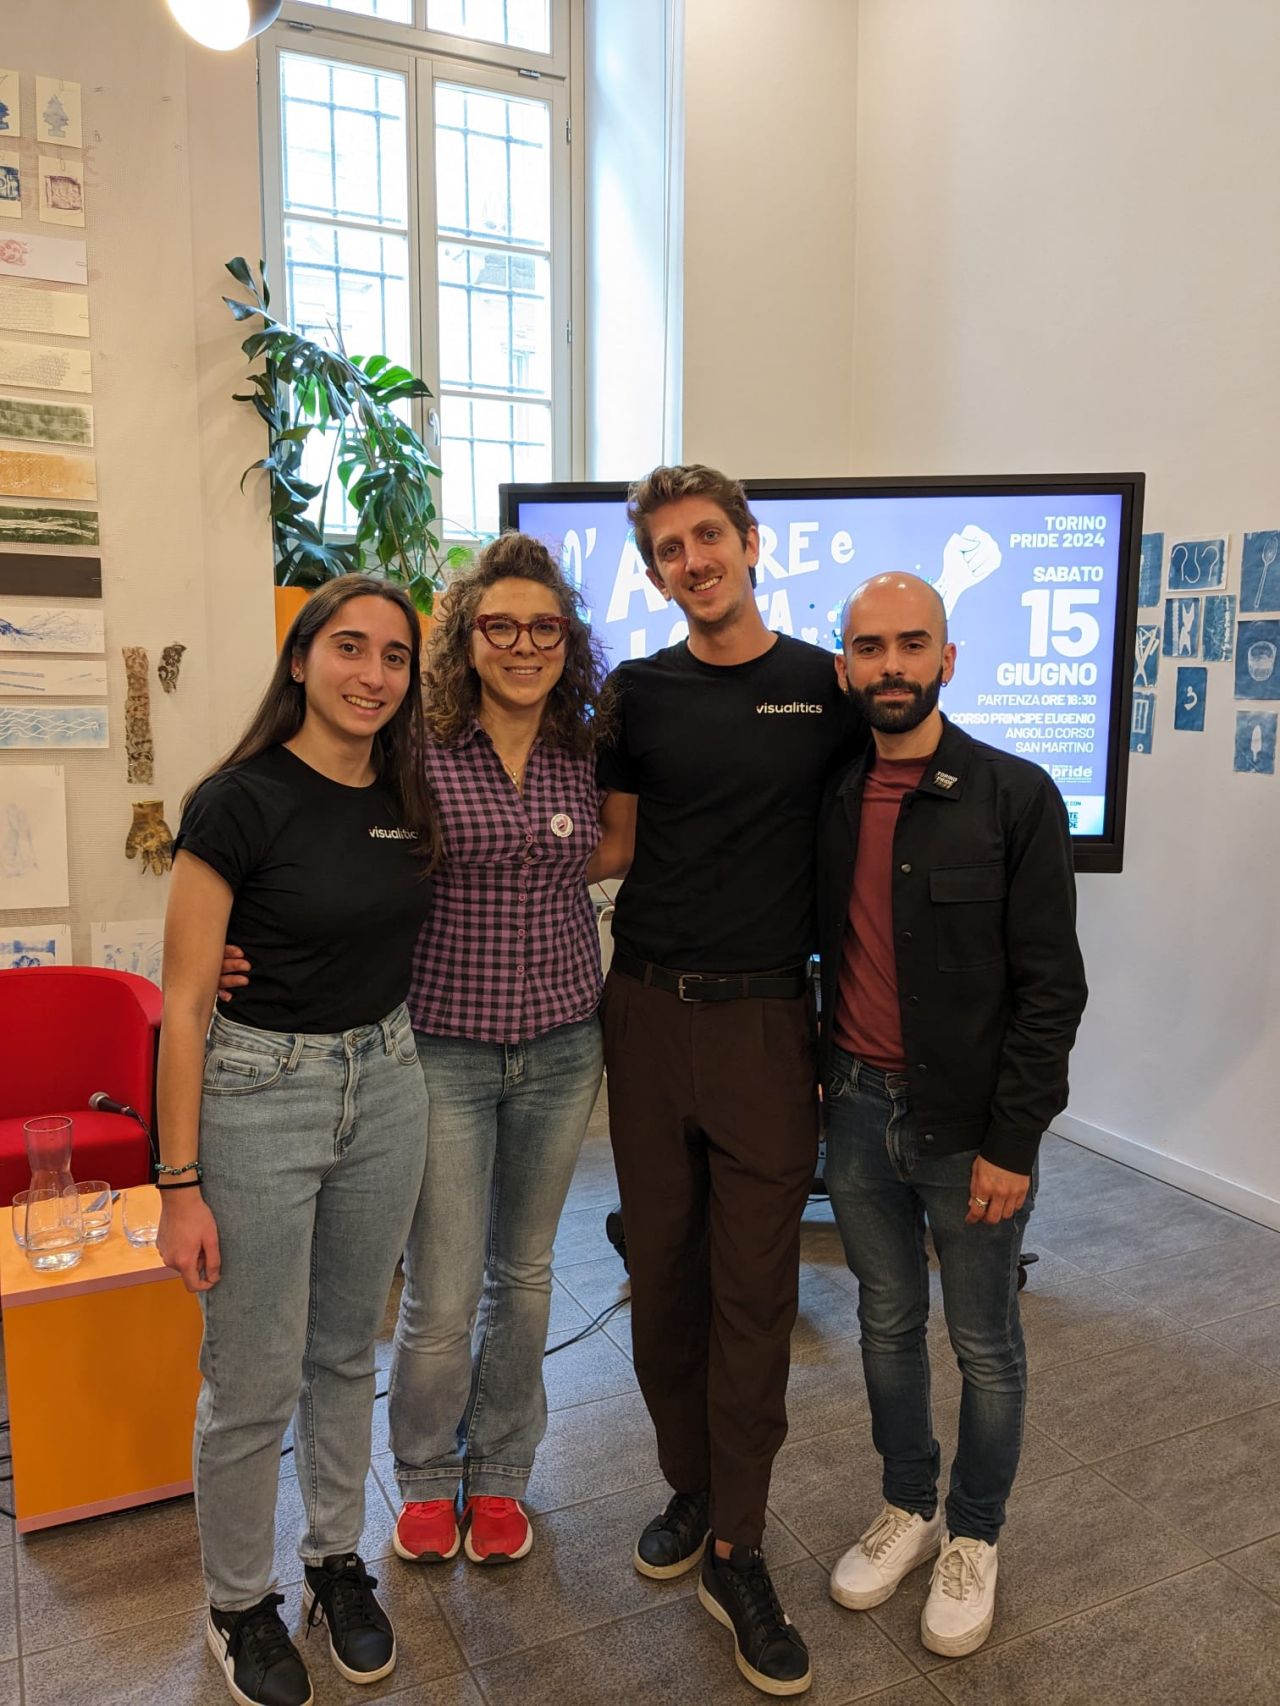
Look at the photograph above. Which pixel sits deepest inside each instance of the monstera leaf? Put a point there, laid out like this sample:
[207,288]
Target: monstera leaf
[357,406]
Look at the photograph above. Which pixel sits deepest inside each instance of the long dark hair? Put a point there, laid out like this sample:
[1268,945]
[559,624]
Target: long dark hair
[574,717]
[398,745]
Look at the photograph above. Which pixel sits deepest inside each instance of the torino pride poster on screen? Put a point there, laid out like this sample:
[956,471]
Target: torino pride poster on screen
[1030,583]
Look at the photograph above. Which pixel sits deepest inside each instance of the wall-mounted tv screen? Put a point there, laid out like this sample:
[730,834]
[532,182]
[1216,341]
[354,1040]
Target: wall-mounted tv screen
[1039,576]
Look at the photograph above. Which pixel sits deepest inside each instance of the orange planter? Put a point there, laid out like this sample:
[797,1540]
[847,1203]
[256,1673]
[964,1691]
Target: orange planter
[290,600]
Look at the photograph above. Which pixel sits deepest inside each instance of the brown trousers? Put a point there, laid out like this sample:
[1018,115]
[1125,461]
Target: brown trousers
[714,1120]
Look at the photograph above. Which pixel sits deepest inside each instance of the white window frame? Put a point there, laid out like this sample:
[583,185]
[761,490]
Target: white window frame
[417,56]
[561,317]
[558,62]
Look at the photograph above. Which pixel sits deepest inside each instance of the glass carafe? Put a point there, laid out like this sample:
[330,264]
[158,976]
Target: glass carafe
[54,1226]
[49,1152]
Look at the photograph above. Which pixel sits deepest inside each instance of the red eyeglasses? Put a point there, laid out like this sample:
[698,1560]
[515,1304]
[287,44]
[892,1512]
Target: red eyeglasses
[546,632]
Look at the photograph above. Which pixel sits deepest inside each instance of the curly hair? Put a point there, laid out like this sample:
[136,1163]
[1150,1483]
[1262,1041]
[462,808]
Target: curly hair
[574,715]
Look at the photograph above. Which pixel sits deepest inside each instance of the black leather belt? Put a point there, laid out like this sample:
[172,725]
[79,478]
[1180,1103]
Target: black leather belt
[716,986]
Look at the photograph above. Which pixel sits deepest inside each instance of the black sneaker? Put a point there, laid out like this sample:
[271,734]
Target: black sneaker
[673,1542]
[362,1642]
[261,1664]
[738,1593]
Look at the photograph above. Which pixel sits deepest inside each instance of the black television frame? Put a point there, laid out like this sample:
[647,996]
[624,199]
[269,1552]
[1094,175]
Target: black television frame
[1100,853]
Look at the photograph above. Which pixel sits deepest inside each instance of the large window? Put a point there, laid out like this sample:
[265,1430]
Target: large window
[398,11]
[515,23]
[418,207]
[493,229]
[509,23]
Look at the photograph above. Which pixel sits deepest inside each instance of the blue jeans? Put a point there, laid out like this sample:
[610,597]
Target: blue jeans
[883,1187]
[505,1126]
[313,1149]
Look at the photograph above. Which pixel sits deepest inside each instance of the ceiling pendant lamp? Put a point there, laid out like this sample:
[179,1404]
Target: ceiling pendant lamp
[224,24]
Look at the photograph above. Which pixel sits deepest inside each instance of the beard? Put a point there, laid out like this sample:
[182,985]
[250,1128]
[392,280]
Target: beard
[900,718]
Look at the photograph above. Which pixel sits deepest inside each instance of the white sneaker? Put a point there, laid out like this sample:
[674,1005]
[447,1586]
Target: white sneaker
[962,1597]
[891,1548]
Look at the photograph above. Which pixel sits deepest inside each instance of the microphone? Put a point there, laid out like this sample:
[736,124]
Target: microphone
[101,1103]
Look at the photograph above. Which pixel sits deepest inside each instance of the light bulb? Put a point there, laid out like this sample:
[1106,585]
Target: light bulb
[224,24]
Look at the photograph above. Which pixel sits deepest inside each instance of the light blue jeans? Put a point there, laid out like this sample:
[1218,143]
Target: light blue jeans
[505,1126]
[313,1149]
[884,1184]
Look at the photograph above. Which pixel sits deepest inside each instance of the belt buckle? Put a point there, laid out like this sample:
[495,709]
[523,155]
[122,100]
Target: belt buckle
[687,977]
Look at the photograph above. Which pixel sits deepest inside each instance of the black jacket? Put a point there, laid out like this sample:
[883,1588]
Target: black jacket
[990,979]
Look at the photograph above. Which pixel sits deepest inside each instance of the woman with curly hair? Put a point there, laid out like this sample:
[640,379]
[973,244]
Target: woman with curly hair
[503,999]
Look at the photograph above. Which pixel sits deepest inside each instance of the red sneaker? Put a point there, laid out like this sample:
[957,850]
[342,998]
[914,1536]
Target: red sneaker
[427,1531]
[498,1531]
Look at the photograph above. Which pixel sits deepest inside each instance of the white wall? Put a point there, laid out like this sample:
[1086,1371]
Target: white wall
[634,234]
[768,246]
[1068,247]
[171,157]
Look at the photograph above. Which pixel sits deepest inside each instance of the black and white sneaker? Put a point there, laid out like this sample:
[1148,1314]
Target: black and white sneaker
[737,1592]
[261,1664]
[673,1542]
[339,1593]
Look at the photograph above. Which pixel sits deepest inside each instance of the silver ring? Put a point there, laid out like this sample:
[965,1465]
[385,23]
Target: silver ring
[982,1202]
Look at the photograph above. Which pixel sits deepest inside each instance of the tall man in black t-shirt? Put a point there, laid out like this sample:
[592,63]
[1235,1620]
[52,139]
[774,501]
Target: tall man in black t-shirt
[723,744]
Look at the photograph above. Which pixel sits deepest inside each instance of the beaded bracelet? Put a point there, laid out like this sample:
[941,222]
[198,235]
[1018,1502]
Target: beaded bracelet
[186,1167]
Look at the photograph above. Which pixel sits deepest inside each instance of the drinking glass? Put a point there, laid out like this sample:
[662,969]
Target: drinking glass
[95,1208]
[54,1230]
[18,1214]
[140,1215]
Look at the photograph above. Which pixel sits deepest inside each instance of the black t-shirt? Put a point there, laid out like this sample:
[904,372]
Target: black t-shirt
[329,895]
[728,762]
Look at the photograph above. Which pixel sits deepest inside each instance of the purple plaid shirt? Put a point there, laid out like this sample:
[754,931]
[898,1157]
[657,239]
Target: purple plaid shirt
[511,947]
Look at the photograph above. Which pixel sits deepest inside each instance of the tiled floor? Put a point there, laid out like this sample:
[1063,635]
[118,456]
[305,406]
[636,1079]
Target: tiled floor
[1140,1567]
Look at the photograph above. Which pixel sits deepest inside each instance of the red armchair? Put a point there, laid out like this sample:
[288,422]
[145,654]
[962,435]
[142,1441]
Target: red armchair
[66,1031]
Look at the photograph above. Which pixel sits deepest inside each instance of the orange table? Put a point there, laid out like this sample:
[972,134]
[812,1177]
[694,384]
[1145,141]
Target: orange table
[102,1377]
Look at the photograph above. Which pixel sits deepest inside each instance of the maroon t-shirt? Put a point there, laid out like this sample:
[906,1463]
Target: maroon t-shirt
[868,1022]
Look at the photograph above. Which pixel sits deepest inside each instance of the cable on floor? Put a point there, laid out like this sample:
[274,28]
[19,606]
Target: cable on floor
[591,1327]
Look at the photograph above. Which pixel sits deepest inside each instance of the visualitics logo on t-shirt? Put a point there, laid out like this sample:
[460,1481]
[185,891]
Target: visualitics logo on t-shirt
[797,708]
[392,834]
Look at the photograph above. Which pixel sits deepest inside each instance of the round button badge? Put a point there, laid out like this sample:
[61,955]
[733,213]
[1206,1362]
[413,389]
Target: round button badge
[562,825]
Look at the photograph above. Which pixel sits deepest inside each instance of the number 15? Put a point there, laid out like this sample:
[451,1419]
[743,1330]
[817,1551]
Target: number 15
[1056,617]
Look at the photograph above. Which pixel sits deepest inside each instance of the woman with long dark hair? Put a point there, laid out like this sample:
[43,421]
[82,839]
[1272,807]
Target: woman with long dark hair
[294,1137]
[504,995]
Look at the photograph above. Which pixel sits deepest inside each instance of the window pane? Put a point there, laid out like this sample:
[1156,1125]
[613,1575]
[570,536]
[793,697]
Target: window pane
[495,319]
[493,166]
[345,140]
[513,23]
[399,11]
[355,282]
[484,444]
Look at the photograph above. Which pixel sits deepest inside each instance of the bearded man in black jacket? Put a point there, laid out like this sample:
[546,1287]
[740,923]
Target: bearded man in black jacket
[952,990]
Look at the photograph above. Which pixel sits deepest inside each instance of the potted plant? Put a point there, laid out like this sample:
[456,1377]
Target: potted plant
[382,466]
